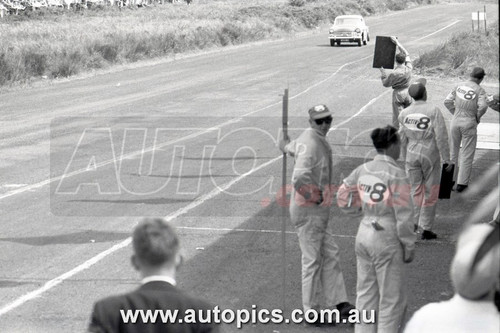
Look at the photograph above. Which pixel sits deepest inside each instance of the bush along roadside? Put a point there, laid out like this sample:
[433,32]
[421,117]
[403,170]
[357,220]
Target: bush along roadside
[462,52]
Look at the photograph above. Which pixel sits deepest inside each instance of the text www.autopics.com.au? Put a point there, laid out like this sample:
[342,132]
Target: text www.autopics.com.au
[243,317]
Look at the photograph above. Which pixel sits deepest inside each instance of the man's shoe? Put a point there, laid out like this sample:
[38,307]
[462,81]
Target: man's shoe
[461,188]
[344,309]
[427,234]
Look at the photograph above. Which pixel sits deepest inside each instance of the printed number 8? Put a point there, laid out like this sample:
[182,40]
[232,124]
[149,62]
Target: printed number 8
[377,194]
[469,95]
[423,123]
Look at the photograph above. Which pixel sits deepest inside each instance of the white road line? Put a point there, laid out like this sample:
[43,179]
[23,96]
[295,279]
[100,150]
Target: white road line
[54,282]
[437,31]
[263,231]
[215,192]
[373,100]
[328,78]
[13,185]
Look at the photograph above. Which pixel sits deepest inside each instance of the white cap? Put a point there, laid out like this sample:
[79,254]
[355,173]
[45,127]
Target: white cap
[319,111]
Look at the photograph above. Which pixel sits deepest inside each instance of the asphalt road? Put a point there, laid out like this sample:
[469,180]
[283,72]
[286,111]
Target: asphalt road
[194,140]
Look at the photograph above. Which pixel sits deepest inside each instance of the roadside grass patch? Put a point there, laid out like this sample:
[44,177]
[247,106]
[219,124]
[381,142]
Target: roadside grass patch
[56,42]
[463,51]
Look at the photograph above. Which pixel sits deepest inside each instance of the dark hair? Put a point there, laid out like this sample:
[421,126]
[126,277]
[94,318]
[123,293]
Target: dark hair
[400,58]
[417,91]
[478,73]
[155,241]
[384,137]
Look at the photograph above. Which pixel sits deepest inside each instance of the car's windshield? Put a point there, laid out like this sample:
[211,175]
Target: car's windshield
[348,21]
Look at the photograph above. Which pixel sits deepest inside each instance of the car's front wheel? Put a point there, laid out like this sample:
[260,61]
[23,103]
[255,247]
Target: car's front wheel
[338,43]
[359,41]
[332,42]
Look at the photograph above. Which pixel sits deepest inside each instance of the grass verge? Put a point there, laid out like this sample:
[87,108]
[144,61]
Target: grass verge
[56,42]
[463,51]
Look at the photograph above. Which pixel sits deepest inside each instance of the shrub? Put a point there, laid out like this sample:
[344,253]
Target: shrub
[297,3]
[108,50]
[35,63]
[66,65]
[253,11]
[396,4]
[203,38]
[5,69]
[366,7]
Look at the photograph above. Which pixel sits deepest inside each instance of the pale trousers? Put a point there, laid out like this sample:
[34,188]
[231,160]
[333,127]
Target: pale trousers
[320,265]
[424,171]
[463,130]
[380,279]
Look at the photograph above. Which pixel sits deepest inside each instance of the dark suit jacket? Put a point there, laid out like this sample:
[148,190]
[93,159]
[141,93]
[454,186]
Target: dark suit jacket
[155,295]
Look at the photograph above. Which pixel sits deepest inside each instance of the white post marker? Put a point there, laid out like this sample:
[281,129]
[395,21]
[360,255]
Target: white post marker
[479,16]
[485,32]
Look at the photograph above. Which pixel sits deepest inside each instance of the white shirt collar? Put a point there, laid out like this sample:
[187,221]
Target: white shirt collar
[163,278]
[383,157]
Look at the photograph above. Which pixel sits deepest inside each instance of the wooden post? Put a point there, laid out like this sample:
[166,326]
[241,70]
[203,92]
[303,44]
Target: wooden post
[485,31]
[283,199]
[478,28]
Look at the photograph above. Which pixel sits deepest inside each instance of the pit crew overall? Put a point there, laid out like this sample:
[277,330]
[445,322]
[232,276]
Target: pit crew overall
[467,103]
[424,139]
[381,188]
[320,252]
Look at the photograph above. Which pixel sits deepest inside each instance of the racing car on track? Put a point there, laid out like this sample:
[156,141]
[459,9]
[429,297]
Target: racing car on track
[349,28]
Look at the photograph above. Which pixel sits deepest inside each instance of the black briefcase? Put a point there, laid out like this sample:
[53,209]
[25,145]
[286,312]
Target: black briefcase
[446,182]
[385,52]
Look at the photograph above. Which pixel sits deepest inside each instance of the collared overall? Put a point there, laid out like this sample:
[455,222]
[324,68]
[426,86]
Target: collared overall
[467,102]
[320,253]
[424,141]
[381,189]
